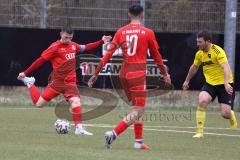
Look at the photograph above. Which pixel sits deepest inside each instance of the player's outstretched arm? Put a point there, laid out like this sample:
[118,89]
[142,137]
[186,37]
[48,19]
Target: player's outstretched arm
[192,71]
[90,47]
[106,39]
[35,65]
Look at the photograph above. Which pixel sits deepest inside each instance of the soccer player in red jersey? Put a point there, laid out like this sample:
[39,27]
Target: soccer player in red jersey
[134,40]
[63,80]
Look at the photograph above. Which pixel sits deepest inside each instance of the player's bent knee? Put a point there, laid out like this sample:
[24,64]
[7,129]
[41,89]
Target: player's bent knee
[204,99]
[203,103]
[133,117]
[75,104]
[75,101]
[225,111]
[139,111]
[226,114]
[40,103]
[140,114]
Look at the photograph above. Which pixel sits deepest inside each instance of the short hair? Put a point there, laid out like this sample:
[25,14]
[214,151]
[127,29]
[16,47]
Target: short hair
[68,30]
[136,10]
[205,35]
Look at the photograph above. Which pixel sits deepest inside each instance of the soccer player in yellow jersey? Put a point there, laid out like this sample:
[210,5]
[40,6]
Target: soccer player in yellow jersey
[219,81]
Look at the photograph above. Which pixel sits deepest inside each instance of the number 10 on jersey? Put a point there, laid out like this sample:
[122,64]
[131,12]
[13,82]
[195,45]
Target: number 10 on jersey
[132,40]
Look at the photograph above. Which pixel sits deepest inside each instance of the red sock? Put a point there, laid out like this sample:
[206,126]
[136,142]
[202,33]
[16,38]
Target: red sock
[120,127]
[34,93]
[77,115]
[138,131]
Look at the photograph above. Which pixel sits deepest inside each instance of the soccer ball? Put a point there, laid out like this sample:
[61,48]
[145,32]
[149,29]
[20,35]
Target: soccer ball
[62,126]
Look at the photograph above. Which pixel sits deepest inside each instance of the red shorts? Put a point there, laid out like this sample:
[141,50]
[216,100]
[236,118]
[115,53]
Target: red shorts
[134,85]
[68,90]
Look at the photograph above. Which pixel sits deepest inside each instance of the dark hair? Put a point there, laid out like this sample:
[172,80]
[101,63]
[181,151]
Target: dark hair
[136,10]
[68,30]
[205,35]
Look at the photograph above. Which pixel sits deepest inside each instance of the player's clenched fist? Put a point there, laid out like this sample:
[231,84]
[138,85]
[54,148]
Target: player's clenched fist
[21,76]
[185,85]
[106,38]
[92,80]
[167,79]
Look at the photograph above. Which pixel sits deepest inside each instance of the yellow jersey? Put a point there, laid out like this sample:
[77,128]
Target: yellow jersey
[211,60]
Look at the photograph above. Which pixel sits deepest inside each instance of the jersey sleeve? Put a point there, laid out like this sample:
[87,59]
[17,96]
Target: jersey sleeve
[221,57]
[156,55]
[35,65]
[90,47]
[49,53]
[116,38]
[197,61]
[152,41]
[153,47]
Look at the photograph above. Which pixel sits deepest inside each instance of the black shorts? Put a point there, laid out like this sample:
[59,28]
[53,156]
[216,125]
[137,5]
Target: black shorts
[220,92]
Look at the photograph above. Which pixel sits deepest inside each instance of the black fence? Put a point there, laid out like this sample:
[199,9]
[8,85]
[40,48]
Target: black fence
[20,47]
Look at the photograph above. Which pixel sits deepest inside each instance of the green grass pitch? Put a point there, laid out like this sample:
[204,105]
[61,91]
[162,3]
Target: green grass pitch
[28,133]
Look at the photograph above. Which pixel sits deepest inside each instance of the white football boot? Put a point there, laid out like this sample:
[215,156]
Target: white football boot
[28,81]
[138,145]
[81,131]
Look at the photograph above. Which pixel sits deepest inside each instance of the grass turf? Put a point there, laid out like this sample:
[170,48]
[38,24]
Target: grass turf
[29,134]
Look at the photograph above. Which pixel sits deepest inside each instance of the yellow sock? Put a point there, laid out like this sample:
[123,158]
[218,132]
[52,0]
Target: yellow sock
[200,119]
[233,120]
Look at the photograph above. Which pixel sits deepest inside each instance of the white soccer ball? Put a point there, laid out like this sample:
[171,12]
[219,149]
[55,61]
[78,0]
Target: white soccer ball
[62,126]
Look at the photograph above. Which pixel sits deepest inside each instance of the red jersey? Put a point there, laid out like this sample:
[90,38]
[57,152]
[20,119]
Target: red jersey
[62,57]
[134,40]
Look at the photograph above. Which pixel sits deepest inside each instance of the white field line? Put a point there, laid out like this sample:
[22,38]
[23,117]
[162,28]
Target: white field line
[178,127]
[20,108]
[175,127]
[206,133]
[147,128]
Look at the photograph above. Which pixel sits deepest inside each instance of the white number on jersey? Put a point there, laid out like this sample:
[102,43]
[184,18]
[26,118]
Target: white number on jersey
[132,40]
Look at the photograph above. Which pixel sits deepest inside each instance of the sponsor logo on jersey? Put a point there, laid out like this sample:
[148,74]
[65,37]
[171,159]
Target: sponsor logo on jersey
[207,63]
[70,56]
